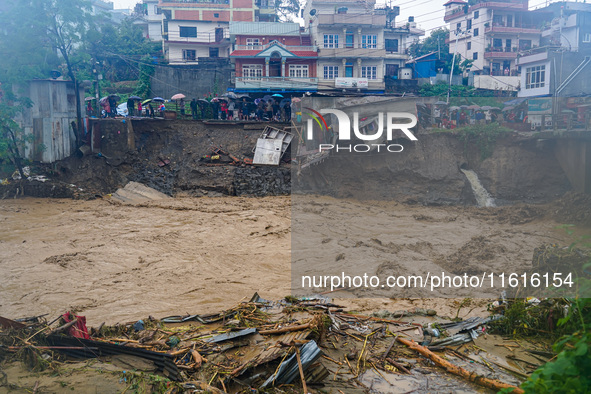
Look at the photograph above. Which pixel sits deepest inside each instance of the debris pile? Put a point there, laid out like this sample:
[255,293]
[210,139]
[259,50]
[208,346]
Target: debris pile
[285,346]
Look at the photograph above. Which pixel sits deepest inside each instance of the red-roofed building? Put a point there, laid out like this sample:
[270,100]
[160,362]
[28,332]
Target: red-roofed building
[194,29]
[273,57]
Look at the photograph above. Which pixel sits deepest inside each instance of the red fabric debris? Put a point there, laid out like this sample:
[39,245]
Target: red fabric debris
[79,329]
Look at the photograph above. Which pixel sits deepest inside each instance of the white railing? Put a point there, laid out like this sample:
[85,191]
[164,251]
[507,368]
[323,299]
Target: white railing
[290,48]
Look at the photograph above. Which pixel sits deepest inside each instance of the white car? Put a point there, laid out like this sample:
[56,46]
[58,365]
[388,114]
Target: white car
[122,109]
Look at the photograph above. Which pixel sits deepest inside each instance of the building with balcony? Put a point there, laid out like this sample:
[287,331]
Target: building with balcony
[492,33]
[194,29]
[273,57]
[351,40]
[561,65]
[148,16]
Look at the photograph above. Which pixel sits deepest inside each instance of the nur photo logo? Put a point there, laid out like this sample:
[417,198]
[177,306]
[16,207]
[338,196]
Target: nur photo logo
[372,132]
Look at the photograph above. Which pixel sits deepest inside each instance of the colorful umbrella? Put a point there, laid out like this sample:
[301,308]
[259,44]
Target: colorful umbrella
[158,99]
[178,96]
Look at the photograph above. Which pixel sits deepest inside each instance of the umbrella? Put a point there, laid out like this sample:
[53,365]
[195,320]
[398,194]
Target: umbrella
[486,108]
[178,96]
[89,98]
[296,99]
[146,101]
[115,96]
[134,97]
[474,106]
[267,98]
[495,109]
[464,106]
[158,99]
[285,101]
[231,95]
[203,101]
[103,100]
[440,103]
[277,95]
[257,101]
[454,108]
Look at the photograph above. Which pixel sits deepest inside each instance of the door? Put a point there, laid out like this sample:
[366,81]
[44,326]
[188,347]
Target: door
[274,68]
[349,70]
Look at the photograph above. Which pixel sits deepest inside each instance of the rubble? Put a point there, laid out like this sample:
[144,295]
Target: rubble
[276,346]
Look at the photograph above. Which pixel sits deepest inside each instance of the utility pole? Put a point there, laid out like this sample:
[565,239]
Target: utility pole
[98,76]
[453,61]
[438,49]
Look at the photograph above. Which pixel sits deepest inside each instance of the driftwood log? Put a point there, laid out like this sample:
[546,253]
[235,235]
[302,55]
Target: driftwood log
[449,367]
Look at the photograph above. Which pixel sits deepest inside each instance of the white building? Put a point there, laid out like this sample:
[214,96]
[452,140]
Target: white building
[148,16]
[351,37]
[491,34]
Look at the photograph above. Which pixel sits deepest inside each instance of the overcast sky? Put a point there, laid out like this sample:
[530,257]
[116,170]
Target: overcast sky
[428,13]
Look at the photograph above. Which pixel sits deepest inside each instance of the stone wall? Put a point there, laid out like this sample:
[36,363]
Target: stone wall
[209,76]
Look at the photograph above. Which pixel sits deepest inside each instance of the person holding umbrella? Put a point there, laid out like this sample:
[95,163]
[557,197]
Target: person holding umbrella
[130,107]
[139,108]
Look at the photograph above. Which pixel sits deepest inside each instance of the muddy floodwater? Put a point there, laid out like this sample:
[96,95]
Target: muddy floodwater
[117,263]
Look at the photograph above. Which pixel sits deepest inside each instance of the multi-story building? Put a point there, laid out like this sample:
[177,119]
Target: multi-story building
[351,39]
[148,16]
[491,34]
[194,29]
[273,57]
[106,9]
[397,39]
[561,65]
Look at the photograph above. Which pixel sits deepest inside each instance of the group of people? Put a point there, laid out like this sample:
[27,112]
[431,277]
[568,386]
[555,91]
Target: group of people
[457,118]
[241,109]
[268,109]
[141,110]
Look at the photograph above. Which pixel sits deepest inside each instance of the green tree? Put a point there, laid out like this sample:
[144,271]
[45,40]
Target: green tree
[52,33]
[66,24]
[287,10]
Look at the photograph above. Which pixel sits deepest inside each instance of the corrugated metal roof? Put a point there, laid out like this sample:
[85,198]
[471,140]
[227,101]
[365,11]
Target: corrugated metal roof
[265,28]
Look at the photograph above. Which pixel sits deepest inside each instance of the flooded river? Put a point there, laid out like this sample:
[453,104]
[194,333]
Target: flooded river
[118,263]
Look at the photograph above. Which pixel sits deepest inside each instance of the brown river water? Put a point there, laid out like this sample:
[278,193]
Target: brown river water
[118,263]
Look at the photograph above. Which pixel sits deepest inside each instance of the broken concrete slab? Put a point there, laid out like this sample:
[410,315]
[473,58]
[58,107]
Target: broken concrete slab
[134,193]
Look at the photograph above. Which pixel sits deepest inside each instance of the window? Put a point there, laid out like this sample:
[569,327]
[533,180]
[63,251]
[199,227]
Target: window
[189,54]
[216,15]
[331,40]
[369,41]
[252,70]
[497,42]
[459,26]
[214,52]
[349,40]
[331,72]
[475,56]
[369,72]
[468,45]
[298,70]
[524,45]
[476,32]
[587,37]
[476,14]
[468,24]
[535,77]
[392,45]
[509,20]
[253,43]
[187,31]
[349,70]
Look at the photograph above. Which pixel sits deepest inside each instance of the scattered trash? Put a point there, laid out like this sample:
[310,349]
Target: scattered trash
[261,344]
